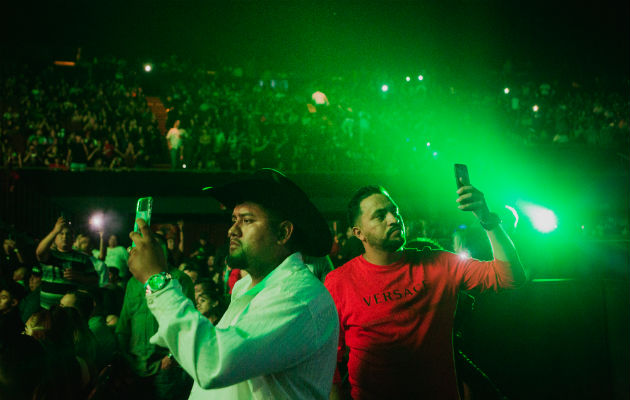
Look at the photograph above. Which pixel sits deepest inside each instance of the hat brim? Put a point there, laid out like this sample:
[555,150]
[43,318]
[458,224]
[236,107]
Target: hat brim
[276,192]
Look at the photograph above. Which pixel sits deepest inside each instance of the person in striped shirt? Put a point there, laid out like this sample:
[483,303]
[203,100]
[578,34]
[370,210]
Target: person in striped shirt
[63,269]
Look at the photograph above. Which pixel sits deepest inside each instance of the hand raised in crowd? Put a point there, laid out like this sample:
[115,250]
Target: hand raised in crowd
[471,199]
[60,224]
[146,258]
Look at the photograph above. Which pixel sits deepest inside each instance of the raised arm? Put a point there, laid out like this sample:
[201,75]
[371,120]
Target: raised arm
[180,224]
[43,248]
[471,199]
[102,250]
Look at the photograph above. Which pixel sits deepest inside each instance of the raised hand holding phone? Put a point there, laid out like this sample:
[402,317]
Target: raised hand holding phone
[144,208]
[461,175]
[146,257]
[470,198]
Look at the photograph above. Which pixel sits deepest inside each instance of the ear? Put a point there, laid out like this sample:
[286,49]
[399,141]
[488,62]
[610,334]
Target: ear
[285,231]
[14,302]
[356,231]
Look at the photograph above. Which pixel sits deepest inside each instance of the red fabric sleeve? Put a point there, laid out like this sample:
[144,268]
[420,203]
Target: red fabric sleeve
[235,275]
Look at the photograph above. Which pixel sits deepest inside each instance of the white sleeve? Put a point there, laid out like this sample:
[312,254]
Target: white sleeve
[267,337]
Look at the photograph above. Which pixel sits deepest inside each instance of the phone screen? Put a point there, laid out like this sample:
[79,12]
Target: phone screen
[144,208]
[461,175]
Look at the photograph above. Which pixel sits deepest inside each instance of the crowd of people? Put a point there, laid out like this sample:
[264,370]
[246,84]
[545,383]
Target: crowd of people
[73,294]
[87,327]
[95,115]
[98,327]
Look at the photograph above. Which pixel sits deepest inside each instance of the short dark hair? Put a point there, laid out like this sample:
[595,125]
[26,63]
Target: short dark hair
[17,291]
[20,379]
[354,206]
[84,303]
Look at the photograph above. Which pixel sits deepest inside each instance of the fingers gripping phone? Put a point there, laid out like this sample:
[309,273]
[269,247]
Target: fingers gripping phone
[461,175]
[144,208]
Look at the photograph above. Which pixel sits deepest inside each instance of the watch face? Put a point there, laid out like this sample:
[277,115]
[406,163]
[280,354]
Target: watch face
[156,282]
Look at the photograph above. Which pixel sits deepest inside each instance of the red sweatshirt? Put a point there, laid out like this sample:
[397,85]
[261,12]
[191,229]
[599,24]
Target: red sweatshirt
[397,320]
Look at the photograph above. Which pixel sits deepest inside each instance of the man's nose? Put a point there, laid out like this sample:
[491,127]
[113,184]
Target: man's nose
[234,230]
[393,218]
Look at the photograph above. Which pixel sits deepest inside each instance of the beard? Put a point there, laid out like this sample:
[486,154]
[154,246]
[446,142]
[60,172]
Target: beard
[393,244]
[237,260]
[390,243]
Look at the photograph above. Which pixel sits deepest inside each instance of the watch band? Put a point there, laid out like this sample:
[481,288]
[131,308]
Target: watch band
[491,222]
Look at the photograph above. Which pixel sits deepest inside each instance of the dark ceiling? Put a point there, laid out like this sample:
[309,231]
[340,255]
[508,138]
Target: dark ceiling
[463,34]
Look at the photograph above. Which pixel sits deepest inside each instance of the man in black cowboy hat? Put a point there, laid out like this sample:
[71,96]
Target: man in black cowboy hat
[278,337]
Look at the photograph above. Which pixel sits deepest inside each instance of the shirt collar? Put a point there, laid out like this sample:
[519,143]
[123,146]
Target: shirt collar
[285,268]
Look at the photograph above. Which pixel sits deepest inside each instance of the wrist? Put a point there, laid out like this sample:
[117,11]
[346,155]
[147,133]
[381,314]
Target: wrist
[157,282]
[490,221]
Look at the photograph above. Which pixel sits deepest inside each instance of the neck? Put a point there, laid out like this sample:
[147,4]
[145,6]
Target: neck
[380,256]
[259,272]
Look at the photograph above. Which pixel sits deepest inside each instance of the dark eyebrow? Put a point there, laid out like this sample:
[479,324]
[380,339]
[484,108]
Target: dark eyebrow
[244,214]
[391,207]
[378,211]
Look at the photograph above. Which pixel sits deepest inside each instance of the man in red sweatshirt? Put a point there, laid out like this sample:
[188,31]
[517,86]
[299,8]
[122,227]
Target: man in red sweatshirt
[396,305]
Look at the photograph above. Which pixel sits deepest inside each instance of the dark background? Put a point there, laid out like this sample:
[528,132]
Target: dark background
[464,37]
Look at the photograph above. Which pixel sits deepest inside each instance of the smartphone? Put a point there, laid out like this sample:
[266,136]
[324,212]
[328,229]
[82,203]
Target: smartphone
[144,207]
[461,175]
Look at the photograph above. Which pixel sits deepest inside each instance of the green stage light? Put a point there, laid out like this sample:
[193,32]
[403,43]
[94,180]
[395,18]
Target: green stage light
[543,219]
[420,77]
[384,88]
[408,78]
[148,67]
[506,90]
[535,108]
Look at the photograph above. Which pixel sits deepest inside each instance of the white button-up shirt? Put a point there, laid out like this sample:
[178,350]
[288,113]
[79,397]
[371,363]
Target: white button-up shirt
[277,340]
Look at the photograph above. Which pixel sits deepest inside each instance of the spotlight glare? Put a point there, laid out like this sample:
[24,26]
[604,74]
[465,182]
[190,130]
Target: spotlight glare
[420,77]
[148,67]
[535,108]
[96,221]
[408,79]
[506,90]
[384,88]
[543,219]
[513,210]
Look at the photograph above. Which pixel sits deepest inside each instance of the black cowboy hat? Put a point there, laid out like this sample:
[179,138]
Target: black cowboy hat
[274,191]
